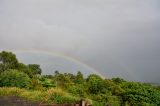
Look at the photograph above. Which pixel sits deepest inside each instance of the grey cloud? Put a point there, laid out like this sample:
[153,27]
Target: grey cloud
[117,38]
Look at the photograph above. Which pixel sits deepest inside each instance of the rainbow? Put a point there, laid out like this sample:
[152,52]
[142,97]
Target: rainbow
[60,55]
[78,61]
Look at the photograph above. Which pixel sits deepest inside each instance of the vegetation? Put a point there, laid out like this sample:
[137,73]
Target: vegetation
[14,78]
[18,79]
[49,96]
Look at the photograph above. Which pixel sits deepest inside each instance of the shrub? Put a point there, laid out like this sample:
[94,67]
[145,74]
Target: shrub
[69,99]
[35,84]
[58,96]
[95,103]
[77,90]
[14,78]
[46,82]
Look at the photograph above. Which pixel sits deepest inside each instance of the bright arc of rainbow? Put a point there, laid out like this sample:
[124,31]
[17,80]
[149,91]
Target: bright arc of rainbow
[64,57]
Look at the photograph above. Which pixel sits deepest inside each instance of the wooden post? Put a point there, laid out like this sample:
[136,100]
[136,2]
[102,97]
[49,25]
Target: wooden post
[82,103]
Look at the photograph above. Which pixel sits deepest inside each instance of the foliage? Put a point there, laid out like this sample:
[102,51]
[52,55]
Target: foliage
[95,84]
[77,90]
[118,80]
[69,88]
[62,81]
[14,78]
[35,84]
[8,60]
[95,103]
[79,78]
[46,82]
[50,96]
[24,68]
[58,96]
[137,94]
[10,91]
[35,69]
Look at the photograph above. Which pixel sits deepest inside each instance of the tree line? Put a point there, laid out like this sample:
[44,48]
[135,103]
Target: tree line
[115,91]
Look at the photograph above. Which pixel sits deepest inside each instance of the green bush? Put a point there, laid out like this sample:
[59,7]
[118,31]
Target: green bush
[77,90]
[70,99]
[95,103]
[46,82]
[58,96]
[35,84]
[14,78]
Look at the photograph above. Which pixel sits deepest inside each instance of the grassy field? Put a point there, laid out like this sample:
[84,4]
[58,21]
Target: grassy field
[50,96]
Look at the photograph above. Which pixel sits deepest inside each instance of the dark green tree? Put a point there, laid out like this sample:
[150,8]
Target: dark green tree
[79,78]
[95,84]
[56,72]
[8,60]
[24,68]
[35,68]
[118,80]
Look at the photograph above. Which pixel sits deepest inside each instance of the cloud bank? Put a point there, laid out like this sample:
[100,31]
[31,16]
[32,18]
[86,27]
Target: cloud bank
[117,38]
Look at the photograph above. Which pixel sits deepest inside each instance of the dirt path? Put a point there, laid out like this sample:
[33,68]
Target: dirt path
[15,101]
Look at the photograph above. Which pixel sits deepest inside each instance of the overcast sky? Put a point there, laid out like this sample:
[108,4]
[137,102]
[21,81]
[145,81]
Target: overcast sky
[115,37]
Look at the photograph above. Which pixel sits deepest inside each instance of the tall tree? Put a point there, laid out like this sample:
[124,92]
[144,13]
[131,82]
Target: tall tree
[35,68]
[79,78]
[8,60]
[56,72]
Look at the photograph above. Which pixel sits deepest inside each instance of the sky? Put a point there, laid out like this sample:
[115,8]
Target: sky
[118,38]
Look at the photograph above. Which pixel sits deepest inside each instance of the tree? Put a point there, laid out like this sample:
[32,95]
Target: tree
[95,84]
[79,78]
[14,78]
[118,80]
[2,67]
[62,80]
[56,72]
[70,75]
[77,90]
[137,94]
[35,68]
[8,60]
[24,68]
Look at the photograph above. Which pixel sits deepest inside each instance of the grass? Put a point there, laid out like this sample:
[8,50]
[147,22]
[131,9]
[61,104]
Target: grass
[51,96]
[10,91]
